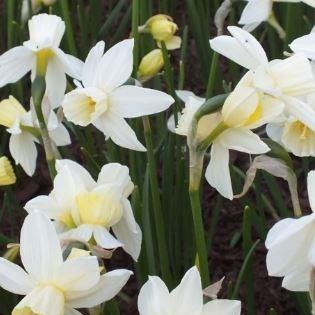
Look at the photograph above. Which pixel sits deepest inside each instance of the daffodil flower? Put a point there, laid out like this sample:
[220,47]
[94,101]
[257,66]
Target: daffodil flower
[46,32]
[89,209]
[243,110]
[185,299]
[258,11]
[283,79]
[52,286]
[23,127]
[105,102]
[290,243]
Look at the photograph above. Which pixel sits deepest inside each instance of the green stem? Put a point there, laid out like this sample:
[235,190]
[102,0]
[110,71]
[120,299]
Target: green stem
[195,171]
[209,139]
[212,75]
[157,207]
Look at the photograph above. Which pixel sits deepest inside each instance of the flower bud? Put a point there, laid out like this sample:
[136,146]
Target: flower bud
[151,64]
[7,176]
[161,27]
[10,111]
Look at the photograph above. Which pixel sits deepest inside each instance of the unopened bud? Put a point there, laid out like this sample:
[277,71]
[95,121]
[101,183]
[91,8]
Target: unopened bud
[151,64]
[7,176]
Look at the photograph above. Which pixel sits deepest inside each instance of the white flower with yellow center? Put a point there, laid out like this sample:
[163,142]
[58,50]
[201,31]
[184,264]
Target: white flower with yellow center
[284,79]
[105,102]
[46,32]
[290,243]
[185,299]
[52,286]
[243,110]
[89,209]
[295,136]
[258,11]
[22,126]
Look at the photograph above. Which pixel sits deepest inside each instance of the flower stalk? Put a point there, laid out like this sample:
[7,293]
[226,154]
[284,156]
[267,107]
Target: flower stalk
[38,91]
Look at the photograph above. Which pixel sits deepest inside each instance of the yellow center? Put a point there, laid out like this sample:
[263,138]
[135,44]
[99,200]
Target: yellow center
[256,115]
[99,208]
[43,57]
[302,130]
[66,218]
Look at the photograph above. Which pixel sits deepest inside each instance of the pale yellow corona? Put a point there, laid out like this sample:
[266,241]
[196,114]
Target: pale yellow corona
[7,176]
[10,111]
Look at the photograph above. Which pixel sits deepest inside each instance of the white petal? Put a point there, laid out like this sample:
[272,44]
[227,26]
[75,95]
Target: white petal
[116,65]
[311,189]
[153,297]
[187,297]
[24,152]
[222,307]
[47,204]
[256,11]
[299,281]
[104,239]
[243,140]
[40,248]
[14,279]
[128,232]
[116,128]
[218,172]
[71,311]
[56,82]
[71,65]
[116,173]
[109,285]
[242,48]
[132,101]
[304,45]
[286,255]
[91,64]
[78,274]
[274,132]
[60,135]
[81,233]
[78,172]
[14,64]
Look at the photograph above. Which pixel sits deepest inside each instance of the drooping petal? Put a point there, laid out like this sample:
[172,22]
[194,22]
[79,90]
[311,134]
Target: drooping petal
[218,172]
[24,152]
[56,82]
[78,274]
[222,307]
[187,297]
[242,48]
[91,64]
[72,65]
[132,101]
[109,285]
[115,127]
[299,281]
[14,64]
[256,11]
[40,248]
[243,140]
[14,279]
[60,136]
[153,297]
[104,239]
[128,232]
[304,45]
[115,67]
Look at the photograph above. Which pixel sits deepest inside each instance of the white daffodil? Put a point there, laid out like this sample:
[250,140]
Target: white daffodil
[23,127]
[237,134]
[295,136]
[284,79]
[89,209]
[52,286]
[305,45]
[258,11]
[105,102]
[185,299]
[290,243]
[45,32]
